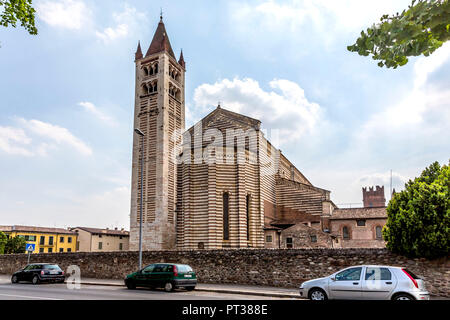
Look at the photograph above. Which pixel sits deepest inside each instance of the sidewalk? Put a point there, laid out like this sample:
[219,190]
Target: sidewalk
[219,288]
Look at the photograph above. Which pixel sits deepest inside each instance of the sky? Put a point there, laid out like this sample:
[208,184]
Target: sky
[67,98]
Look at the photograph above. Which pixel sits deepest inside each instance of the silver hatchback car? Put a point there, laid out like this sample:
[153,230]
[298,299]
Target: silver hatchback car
[367,283]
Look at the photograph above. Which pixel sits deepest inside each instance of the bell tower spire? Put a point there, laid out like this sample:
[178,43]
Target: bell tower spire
[160,41]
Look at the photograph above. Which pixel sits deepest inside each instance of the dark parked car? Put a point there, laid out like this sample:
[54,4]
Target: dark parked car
[163,275]
[39,272]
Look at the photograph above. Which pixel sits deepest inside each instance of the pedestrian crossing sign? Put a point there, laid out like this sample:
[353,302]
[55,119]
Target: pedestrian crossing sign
[30,247]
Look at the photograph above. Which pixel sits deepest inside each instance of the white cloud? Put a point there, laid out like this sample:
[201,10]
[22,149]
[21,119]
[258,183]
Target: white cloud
[67,14]
[284,109]
[110,34]
[324,15]
[13,141]
[125,22]
[55,133]
[91,108]
[415,109]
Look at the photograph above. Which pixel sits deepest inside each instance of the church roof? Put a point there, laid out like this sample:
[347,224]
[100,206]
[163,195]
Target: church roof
[160,41]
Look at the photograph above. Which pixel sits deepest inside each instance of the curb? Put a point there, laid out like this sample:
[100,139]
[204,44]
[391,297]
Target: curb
[251,293]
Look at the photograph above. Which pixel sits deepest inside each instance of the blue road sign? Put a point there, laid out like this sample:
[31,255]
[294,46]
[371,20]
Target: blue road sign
[30,247]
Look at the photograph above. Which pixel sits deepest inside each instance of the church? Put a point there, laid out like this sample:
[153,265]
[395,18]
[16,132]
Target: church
[219,184]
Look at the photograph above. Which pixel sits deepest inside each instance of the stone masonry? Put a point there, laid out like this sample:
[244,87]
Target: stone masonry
[269,267]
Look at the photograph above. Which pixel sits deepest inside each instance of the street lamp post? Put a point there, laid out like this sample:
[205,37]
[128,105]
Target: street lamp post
[139,132]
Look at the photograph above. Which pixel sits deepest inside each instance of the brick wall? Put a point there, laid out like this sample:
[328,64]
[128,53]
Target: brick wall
[272,267]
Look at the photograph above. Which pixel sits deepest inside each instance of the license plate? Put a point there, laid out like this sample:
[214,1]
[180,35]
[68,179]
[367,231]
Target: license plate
[187,276]
[54,272]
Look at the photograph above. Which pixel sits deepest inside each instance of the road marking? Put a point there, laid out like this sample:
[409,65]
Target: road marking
[30,297]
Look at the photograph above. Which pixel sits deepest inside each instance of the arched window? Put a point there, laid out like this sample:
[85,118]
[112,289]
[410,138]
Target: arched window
[378,233]
[345,233]
[146,71]
[156,68]
[150,89]
[144,89]
[226,216]
[151,71]
[155,87]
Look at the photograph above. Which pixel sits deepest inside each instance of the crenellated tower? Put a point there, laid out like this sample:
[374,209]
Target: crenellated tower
[374,198]
[159,112]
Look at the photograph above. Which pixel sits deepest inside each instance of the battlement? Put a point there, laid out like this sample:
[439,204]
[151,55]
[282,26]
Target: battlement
[378,191]
[373,197]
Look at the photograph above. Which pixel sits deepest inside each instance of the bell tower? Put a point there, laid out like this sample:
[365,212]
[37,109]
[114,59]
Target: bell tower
[159,113]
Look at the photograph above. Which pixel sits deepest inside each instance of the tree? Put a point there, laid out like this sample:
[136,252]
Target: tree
[421,29]
[418,223]
[15,244]
[3,240]
[18,10]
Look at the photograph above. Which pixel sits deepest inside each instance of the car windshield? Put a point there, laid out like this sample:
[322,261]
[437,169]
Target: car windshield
[51,267]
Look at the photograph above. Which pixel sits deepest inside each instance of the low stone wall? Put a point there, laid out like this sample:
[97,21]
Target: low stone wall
[271,267]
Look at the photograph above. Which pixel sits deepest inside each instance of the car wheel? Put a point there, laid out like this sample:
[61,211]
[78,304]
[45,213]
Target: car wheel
[403,296]
[317,294]
[14,279]
[168,287]
[35,280]
[190,288]
[131,285]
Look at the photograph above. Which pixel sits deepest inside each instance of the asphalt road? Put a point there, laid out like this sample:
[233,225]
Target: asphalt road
[27,291]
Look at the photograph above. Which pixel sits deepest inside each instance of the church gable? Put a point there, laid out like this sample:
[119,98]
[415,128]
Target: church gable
[222,119]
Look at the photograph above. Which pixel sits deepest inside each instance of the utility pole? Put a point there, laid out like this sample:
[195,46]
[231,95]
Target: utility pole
[390,195]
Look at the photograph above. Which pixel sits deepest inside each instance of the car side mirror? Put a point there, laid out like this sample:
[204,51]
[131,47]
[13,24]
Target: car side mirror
[333,278]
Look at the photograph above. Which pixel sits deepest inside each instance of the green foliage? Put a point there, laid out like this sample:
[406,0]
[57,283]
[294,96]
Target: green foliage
[421,29]
[15,244]
[3,240]
[12,11]
[418,223]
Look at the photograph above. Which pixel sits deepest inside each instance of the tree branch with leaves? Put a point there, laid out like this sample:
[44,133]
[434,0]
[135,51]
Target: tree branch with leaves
[420,29]
[14,11]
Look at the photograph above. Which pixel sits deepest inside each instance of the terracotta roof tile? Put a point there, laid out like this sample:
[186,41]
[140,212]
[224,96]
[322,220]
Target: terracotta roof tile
[35,229]
[97,231]
[358,213]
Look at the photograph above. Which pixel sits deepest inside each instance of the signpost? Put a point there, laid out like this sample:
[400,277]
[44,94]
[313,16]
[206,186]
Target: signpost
[30,248]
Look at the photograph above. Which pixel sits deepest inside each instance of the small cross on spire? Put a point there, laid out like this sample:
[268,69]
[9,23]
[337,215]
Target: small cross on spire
[161,15]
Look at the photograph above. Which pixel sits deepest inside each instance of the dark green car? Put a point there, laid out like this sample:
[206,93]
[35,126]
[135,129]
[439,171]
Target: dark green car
[163,275]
